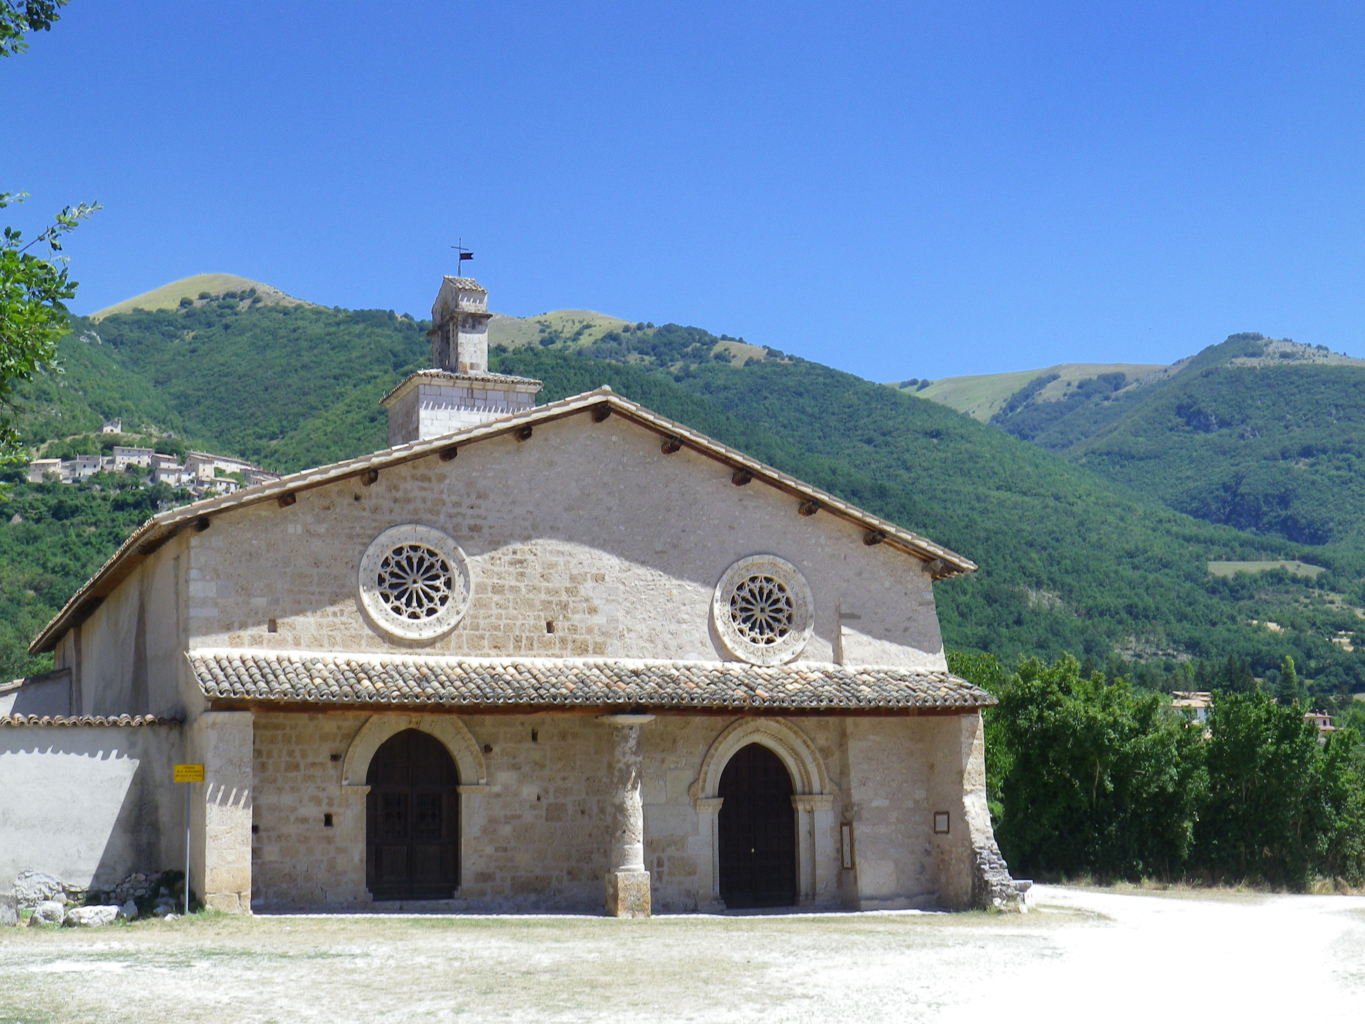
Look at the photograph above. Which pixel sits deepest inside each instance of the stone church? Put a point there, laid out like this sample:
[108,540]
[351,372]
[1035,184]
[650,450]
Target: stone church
[553,657]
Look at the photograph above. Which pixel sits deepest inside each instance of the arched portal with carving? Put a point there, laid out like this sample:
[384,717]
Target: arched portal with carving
[793,748]
[454,738]
[446,728]
[812,800]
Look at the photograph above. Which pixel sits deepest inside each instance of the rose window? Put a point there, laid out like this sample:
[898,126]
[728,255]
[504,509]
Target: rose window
[414,582]
[762,610]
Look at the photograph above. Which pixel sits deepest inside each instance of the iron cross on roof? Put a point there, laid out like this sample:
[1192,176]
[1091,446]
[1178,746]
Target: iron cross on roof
[465,254]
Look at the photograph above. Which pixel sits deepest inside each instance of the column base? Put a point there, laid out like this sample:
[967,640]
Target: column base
[627,893]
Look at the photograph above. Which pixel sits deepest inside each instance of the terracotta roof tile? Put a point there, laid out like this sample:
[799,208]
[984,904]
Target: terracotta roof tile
[554,682]
[120,720]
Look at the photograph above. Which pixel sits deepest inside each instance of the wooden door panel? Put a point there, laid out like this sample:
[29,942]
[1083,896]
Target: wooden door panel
[757,831]
[412,820]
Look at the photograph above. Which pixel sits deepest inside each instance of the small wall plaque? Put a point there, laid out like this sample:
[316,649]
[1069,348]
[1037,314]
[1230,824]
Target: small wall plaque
[846,845]
[941,823]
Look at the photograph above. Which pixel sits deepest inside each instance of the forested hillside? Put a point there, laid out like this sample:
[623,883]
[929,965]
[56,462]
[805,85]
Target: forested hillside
[1264,436]
[1070,561]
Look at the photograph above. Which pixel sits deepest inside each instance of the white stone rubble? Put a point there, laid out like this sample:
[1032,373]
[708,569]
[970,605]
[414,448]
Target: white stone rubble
[47,912]
[92,917]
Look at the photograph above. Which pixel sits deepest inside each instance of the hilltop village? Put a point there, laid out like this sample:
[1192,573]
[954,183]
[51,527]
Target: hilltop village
[201,474]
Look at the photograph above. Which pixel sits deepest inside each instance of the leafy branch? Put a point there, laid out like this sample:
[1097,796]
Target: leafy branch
[33,292]
[29,16]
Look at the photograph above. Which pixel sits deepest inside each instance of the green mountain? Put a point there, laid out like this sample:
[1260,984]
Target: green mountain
[1070,560]
[1265,436]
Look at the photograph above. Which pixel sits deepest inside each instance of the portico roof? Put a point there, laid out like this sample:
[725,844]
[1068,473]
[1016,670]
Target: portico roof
[370,680]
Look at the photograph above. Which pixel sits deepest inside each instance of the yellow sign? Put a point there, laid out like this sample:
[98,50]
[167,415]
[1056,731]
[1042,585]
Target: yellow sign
[189,773]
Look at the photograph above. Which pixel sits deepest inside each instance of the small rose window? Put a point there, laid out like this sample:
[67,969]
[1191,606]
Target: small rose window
[414,582]
[763,610]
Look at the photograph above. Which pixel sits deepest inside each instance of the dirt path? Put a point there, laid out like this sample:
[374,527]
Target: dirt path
[1088,954]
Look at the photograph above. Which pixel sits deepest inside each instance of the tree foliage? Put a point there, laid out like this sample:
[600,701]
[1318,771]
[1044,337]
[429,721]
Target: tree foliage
[32,290]
[1280,807]
[1093,776]
[32,310]
[17,18]
[1100,779]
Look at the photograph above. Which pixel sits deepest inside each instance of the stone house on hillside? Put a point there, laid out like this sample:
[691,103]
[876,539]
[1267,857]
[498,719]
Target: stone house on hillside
[527,658]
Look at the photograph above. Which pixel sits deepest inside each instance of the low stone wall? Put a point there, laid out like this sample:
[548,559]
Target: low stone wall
[88,804]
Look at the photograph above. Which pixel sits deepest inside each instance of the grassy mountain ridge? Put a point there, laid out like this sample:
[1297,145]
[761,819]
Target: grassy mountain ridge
[1070,560]
[983,395]
[196,289]
[1262,435]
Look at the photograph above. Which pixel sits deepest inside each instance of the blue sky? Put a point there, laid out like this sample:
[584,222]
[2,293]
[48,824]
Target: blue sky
[899,190]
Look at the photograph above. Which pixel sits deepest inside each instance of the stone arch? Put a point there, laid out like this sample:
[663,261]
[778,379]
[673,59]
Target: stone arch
[813,800]
[446,728]
[792,747]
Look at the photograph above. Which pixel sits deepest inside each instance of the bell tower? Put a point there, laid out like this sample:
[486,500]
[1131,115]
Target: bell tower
[459,341]
[458,391]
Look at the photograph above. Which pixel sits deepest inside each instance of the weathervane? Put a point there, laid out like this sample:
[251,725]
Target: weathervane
[465,254]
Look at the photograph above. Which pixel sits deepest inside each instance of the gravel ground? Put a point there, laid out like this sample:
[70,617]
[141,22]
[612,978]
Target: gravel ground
[1085,954]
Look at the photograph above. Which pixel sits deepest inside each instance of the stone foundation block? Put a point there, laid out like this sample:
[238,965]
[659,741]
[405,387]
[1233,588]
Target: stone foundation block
[627,893]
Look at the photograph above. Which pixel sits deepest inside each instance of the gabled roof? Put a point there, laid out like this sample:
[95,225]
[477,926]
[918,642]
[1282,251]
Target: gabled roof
[502,684]
[157,530]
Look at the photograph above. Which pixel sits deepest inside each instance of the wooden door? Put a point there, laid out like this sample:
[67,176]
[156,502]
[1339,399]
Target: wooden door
[757,831]
[412,827]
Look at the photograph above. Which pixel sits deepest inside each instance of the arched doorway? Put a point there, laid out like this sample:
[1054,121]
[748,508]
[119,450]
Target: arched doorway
[757,830]
[412,827]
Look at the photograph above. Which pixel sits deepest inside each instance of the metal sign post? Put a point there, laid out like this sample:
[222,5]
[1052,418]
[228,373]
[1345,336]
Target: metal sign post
[188,774]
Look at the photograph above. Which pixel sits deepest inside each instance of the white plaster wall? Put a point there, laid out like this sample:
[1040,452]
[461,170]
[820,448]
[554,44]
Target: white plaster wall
[39,697]
[89,804]
[586,525]
[131,658]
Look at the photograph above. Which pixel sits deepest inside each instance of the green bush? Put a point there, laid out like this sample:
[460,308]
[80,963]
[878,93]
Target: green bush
[1087,775]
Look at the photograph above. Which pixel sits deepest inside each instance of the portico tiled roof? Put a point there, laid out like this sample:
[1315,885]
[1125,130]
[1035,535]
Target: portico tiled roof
[378,679]
[68,720]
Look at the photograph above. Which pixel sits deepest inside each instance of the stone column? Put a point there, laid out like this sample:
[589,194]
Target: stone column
[627,890]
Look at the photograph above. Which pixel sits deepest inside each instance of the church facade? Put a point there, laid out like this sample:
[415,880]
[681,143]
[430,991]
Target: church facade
[557,657]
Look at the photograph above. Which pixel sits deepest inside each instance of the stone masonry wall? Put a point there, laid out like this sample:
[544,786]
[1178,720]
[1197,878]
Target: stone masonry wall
[585,540]
[537,837]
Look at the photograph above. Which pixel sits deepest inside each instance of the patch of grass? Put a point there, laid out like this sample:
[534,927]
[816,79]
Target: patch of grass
[1293,567]
[981,397]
